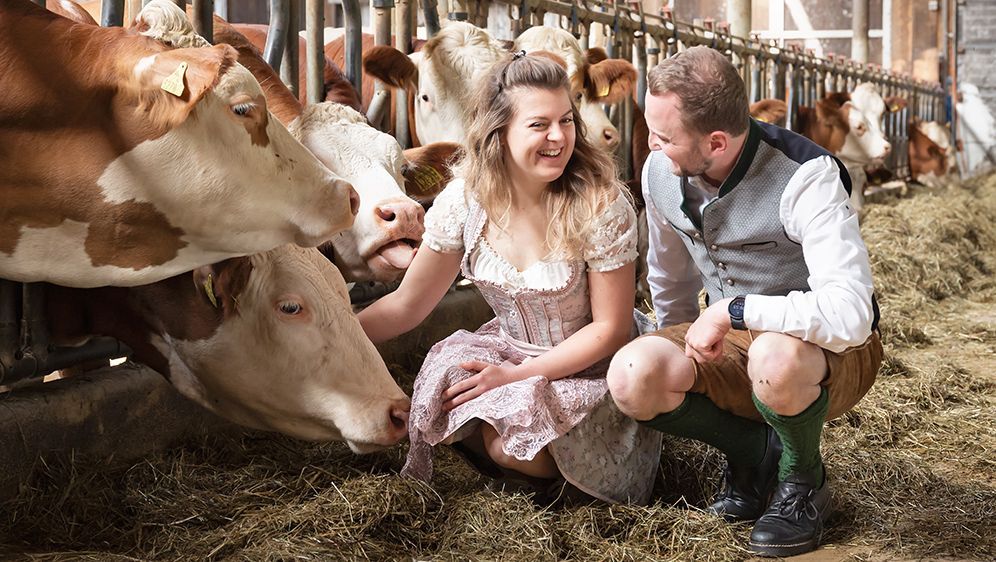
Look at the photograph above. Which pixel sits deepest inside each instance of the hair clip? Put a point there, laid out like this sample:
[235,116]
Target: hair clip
[519,55]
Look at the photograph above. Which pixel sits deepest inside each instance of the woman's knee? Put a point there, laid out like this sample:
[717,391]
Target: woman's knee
[644,372]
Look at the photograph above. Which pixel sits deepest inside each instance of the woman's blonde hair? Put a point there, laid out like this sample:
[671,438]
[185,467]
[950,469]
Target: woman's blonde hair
[575,199]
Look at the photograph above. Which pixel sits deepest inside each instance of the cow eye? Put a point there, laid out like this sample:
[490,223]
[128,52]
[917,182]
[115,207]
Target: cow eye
[290,308]
[425,97]
[578,96]
[242,109]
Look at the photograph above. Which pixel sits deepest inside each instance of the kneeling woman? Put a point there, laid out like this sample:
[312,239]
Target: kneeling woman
[538,221]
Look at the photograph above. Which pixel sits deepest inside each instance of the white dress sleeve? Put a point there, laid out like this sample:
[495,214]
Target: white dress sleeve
[445,220]
[612,239]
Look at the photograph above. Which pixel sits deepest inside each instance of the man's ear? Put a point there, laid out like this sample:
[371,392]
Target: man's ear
[719,141]
[221,283]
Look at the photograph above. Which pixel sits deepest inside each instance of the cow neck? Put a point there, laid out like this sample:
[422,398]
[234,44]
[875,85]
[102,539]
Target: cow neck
[279,99]
[78,126]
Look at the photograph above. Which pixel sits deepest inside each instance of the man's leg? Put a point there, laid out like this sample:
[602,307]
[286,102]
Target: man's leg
[785,374]
[650,379]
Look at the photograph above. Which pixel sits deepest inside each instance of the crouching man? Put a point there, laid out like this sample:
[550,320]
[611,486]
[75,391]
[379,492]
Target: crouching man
[760,217]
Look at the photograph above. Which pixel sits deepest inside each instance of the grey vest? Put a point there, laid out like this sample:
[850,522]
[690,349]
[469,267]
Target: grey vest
[741,247]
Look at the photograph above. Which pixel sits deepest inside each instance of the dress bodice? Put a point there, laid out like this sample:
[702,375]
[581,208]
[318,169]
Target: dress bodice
[547,302]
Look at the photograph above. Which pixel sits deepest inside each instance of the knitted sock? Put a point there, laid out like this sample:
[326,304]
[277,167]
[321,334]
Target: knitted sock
[743,441]
[800,435]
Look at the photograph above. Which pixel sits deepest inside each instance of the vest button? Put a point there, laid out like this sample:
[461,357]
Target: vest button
[714,247]
[696,234]
[729,282]
[722,266]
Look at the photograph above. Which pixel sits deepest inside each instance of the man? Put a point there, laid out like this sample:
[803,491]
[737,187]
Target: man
[759,216]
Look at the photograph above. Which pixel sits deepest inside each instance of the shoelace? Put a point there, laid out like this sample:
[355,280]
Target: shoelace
[797,504]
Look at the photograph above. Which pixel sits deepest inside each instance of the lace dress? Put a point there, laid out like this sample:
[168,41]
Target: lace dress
[597,448]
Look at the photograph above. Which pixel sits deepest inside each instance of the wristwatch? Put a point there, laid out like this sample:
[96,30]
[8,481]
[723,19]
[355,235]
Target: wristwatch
[736,310]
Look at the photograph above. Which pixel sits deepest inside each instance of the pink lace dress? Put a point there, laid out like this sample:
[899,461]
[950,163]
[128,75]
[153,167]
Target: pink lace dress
[597,448]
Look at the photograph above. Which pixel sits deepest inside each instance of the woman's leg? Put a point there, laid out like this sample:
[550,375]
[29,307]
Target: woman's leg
[541,466]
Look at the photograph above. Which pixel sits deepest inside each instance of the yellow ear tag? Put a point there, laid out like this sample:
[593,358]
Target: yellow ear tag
[209,290]
[426,178]
[604,91]
[174,82]
[893,108]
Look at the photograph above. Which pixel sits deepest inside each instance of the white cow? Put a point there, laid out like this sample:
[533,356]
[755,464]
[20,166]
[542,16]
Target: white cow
[865,144]
[977,129]
[142,162]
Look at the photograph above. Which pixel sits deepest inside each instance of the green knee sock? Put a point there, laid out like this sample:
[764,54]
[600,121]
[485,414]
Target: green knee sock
[800,435]
[742,440]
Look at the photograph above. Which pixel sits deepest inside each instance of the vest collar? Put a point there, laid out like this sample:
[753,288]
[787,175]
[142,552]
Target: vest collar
[745,159]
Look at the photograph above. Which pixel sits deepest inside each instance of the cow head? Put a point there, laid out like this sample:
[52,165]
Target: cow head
[866,143]
[442,75]
[269,179]
[270,341]
[388,228]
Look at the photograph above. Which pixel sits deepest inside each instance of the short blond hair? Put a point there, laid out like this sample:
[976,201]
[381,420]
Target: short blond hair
[712,93]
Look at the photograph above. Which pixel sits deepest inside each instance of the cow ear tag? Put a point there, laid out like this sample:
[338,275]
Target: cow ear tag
[174,82]
[209,290]
[604,91]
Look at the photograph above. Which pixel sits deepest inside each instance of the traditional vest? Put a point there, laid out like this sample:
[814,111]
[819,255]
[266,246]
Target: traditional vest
[741,246]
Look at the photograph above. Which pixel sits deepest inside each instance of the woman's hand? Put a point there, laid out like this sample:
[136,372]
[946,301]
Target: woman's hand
[488,376]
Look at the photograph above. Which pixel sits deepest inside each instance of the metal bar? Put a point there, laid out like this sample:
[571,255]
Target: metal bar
[402,42]
[111,12]
[314,19]
[354,44]
[430,15]
[34,328]
[276,34]
[289,65]
[204,19]
[9,295]
[62,357]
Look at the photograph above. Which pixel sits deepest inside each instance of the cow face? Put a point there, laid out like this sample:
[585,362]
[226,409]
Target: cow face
[442,76]
[866,143]
[388,228]
[287,355]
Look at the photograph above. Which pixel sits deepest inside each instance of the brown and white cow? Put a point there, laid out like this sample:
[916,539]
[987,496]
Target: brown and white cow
[108,178]
[850,126]
[268,341]
[388,227]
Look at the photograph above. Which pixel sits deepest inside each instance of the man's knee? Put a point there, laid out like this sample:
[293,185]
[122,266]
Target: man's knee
[784,371]
[644,372]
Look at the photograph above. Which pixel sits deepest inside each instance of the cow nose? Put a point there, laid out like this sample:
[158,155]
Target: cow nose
[887,149]
[398,418]
[401,212]
[611,136]
[354,201]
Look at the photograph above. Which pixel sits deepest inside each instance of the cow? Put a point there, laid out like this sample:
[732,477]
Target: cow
[388,227]
[976,128]
[70,10]
[268,341]
[930,150]
[124,162]
[849,125]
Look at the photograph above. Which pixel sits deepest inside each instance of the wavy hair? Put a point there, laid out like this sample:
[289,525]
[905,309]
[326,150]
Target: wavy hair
[574,200]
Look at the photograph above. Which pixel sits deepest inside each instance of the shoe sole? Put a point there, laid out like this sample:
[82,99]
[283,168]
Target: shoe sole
[783,550]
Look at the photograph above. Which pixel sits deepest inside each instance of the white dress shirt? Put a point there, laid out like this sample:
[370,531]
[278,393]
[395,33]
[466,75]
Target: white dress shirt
[815,211]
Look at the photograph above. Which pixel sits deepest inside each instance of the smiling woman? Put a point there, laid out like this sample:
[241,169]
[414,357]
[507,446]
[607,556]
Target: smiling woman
[538,222]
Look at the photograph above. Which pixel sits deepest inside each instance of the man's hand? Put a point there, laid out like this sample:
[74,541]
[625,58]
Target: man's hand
[488,376]
[704,340]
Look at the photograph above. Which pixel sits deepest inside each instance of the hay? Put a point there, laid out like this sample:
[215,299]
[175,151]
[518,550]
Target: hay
[913,466]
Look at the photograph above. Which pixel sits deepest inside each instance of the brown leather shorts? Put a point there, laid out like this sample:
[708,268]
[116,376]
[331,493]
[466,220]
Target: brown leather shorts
[725,381]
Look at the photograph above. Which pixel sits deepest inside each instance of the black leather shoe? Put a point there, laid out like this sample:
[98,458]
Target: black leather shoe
[793,523]
[744,492]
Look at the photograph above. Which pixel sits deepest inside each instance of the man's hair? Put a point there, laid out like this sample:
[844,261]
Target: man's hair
[711,92]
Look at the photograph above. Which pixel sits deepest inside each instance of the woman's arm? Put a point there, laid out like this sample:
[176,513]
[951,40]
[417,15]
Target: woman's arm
[612,294]
[428,278]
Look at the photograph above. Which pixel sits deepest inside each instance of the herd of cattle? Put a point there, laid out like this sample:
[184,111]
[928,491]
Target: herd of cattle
[181,199]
